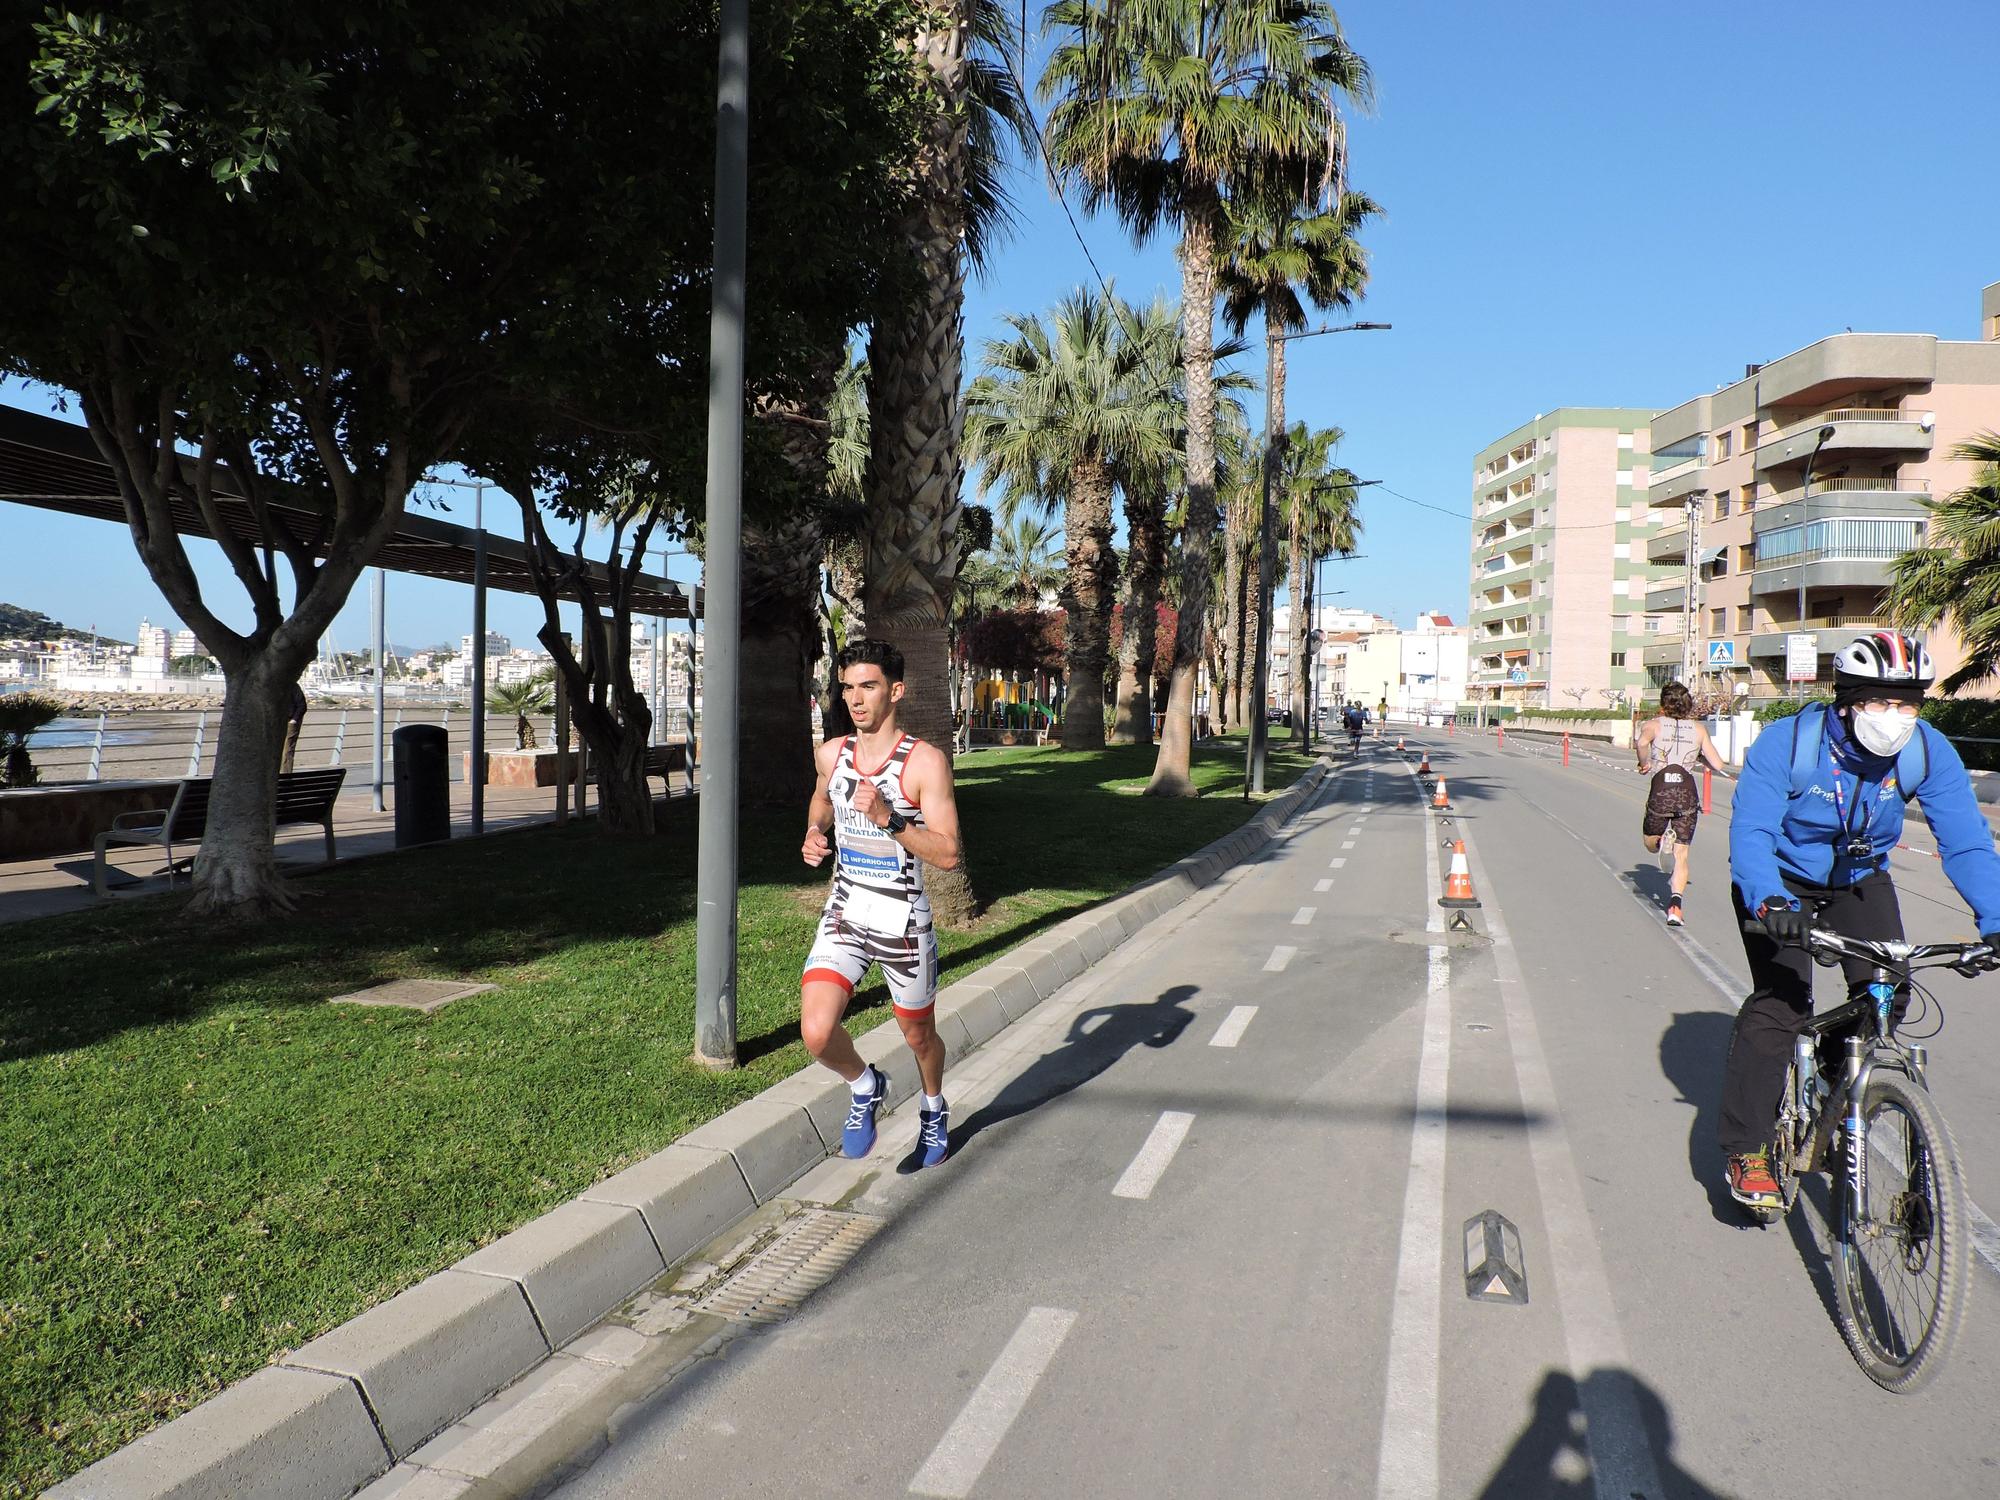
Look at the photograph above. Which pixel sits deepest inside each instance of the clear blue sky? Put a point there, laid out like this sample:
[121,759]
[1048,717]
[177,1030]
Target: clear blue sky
[1587,204]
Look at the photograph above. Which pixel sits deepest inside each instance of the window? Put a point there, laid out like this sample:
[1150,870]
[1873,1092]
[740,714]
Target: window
[1749,500]
[1618,658]
[1655,624]
[1722,444]
[1721,506]
[1746,557]
[1718,621]
[1621,550]
[1720,567]
[1749,436]
[1625,440]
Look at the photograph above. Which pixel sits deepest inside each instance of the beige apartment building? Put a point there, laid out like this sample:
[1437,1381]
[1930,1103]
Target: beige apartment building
[1561,536]
[1814,468]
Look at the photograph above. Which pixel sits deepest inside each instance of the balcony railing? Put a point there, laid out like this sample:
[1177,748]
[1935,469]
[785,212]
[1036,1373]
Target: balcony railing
[1882,485]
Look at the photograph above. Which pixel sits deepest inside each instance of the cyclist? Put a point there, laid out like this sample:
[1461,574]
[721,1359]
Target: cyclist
[1816,812]
[1353,719]
[1668,748]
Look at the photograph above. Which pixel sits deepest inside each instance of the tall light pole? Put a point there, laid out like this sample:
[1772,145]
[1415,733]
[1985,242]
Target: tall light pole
[1253,770]
[715,884]
[1805,535]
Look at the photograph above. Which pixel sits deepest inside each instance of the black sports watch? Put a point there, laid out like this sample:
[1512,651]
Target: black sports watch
[897,822]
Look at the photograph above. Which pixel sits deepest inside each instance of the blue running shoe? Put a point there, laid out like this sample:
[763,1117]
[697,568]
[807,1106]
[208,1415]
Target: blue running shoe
[933,1134]
[857,1136]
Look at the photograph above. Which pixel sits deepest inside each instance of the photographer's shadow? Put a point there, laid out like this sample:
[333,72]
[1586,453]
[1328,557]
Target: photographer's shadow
[1097,1038]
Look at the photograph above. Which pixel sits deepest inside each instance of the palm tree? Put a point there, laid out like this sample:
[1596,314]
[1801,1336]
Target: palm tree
[531,695]
[1024,557]
[1317,500]
[1955,575]
[911,543]
[1063,407]
[1164,108]
[1282,254]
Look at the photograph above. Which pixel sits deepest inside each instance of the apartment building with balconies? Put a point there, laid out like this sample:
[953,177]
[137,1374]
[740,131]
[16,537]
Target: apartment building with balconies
[1560,528]
[1813,469]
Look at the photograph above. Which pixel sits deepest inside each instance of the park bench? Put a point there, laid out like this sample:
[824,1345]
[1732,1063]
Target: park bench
[304,798]
[663,759]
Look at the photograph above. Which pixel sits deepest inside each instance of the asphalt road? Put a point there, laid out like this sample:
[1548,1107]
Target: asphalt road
[1186,1248]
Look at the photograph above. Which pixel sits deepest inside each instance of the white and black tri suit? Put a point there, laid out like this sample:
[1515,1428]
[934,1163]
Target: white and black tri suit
[877,912]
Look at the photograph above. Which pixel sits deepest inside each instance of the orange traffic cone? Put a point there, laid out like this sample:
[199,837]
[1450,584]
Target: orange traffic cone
[1425,768]
[1440,800]
[1458,884]
[1399,744]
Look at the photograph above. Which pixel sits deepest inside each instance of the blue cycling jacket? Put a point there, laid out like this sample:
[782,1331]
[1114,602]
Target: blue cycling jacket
[1773,834]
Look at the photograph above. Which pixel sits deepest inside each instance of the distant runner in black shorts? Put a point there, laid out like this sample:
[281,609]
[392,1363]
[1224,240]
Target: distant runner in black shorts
[1668,749]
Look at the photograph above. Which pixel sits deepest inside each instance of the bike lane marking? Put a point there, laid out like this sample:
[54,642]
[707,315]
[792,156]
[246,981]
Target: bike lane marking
[1304,915]
[969,1444]
[1280,956]
[1407,1465]
[1336,863]
[1621,1454]
[1155,1155]
[1321,887]
[1230,1032]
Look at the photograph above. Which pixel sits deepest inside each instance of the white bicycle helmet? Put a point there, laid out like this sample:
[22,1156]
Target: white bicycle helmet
[1885,658]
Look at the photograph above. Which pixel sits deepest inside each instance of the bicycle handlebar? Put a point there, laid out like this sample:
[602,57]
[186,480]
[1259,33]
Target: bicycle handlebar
[1966,958]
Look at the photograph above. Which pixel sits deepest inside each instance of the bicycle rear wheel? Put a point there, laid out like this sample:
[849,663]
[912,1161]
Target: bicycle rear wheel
[1900,1255]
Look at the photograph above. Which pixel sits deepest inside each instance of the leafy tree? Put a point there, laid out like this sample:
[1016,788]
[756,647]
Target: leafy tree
[1316,501]
[315,245]
[21,714]
[913,543]
[1062,409]
[1023,558]
[191,666]
[531,695]
[1164,108]
[1955,576]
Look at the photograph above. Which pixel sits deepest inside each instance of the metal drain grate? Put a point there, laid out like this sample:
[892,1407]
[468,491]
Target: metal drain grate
[771,1285]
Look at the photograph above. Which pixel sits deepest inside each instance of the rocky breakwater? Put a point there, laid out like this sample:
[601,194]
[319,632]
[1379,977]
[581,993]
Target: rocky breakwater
[90,705]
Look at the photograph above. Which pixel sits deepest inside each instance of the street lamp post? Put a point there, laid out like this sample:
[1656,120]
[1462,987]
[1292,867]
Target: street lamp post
[1253,770]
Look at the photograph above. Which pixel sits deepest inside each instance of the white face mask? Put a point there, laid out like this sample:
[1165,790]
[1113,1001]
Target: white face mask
[1883,732]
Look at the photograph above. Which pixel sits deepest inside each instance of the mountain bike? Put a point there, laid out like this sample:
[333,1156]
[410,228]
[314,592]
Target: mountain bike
[1856,1106]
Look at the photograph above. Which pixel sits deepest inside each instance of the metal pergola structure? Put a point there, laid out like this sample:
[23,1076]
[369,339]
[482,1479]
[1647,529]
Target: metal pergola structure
[54,465]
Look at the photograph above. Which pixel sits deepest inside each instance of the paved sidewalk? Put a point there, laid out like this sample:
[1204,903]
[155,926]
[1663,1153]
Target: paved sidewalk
[43,887]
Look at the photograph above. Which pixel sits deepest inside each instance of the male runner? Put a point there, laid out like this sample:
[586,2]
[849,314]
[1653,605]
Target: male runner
[887,798]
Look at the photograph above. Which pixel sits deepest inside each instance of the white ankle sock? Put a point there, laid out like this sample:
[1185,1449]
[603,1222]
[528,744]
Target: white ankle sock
[934,1102]
[864,1085]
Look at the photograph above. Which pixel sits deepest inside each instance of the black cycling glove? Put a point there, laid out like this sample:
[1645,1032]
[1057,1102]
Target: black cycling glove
[1786,924]
[1992,960]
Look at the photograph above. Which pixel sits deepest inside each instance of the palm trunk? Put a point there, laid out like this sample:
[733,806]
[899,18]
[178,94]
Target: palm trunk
[916,349]
[1090,586]
[1173,771]
[780,641]
[1301,626]
[1229,680]
[1146,534]
[1246,645]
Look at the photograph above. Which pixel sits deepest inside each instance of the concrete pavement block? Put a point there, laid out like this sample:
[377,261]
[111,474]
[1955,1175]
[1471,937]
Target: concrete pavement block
[884,1046]
[1069,953]
[410,1482]
[686,1195]
[772,1143]
[979,1010]
[576,1263]
[1041,966]
[1130,913]
[429,1355]
[822,1093]
[1097,934]
[1017,991]
[281,1432]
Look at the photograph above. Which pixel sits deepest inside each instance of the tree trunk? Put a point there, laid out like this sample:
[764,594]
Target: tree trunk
[236,869]
[1090,586]
[624,795]
[1229,681]
[1299,646]
[1146,536]
[1253,598]
[779,644]
[1173,771]
[911,546]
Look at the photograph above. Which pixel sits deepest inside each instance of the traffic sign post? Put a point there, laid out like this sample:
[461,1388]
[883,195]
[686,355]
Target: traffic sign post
[1722,653]
[1801,658]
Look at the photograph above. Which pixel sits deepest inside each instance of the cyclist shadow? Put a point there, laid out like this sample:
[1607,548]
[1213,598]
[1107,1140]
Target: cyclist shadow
[1693,1049]
[1097,1038]
[1551,1457]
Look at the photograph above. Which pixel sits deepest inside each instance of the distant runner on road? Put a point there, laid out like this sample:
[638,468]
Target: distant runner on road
[1669,748]
[887,799]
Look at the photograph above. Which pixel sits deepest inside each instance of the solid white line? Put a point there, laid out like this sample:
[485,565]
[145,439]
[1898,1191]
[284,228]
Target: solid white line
[1230,1032]
[1407,1467]
[1304,915]
[1621,1455]
[1336,863]
[1280,956]
[1347,843]
[1165,1139]
[1321,887]
[970,1442]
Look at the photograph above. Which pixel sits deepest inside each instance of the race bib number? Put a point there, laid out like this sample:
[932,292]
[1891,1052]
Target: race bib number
[877,912]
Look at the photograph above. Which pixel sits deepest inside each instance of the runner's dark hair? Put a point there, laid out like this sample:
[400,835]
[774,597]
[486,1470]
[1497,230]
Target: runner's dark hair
[1676,702]
[871,653]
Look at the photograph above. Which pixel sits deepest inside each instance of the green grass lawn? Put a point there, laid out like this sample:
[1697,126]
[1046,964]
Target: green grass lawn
[203,1165]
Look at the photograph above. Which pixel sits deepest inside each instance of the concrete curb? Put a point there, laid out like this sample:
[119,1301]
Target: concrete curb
[336,1414]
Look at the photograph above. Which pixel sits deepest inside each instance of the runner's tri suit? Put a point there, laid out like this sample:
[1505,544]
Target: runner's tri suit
[1672,798]
[877,912]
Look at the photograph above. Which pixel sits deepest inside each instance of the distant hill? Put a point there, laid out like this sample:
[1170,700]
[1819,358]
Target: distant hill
[31,624]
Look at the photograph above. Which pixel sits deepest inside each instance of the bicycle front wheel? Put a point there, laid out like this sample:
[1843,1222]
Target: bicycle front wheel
[1901,1250]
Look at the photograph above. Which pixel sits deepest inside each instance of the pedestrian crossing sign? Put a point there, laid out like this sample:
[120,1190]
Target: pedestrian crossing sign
[1722,653]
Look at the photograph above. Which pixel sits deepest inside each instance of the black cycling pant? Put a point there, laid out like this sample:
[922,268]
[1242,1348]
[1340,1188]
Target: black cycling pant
[1780,1000]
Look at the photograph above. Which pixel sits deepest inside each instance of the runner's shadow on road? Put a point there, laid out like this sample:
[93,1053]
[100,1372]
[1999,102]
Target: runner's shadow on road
[1550,1460]
[1650,882]
[1693,1049]
[1097,1038]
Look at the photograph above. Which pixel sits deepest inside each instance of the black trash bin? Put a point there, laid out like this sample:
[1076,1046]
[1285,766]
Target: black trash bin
[423,785]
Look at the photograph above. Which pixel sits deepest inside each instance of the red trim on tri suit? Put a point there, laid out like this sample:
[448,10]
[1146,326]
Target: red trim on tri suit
[830,976]
[885,759]
[911,1015]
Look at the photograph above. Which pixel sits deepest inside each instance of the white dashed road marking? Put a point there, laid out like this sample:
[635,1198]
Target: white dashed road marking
[1280,956]
[1322,886]
[1347,843]
[1230,1032]
[1151,1163]
[1304,915]
[969,1443]
[1335,863]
